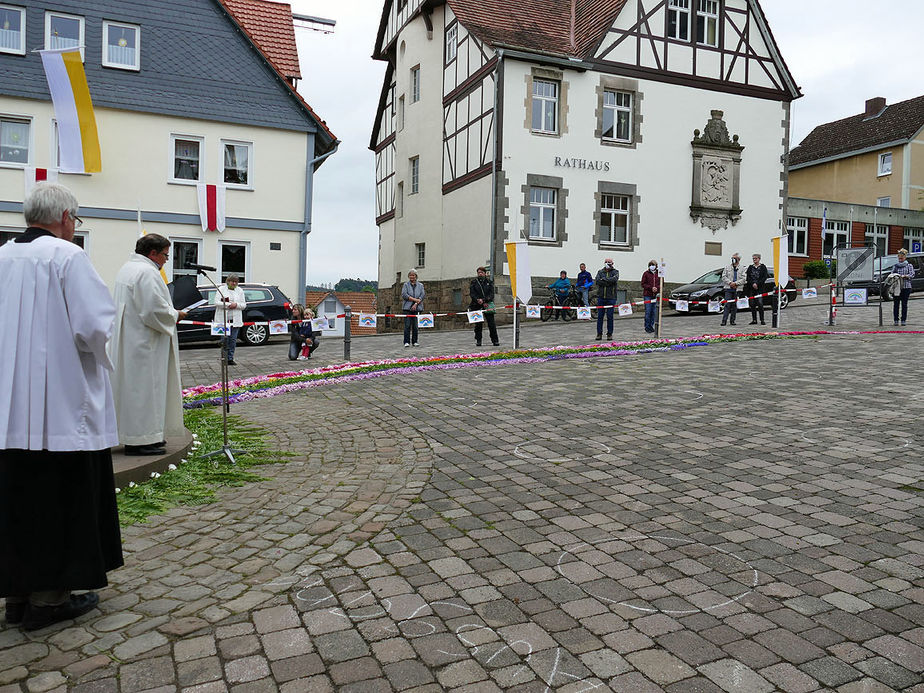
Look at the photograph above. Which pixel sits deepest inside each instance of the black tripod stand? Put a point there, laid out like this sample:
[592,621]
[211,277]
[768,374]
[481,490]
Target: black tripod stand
[226,450]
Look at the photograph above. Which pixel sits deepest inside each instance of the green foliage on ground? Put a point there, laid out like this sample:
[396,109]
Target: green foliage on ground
[196,481]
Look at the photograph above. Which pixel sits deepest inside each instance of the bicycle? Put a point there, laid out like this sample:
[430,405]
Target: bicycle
[545,313]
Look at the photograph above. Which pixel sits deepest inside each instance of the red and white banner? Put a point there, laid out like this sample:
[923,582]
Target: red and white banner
[212,207]
[35,175]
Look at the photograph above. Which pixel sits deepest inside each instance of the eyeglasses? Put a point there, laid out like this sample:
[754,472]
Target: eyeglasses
[78,222]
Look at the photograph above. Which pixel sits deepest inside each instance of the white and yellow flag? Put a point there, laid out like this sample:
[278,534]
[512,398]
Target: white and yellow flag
[521,280]
[780,246]
[78,139]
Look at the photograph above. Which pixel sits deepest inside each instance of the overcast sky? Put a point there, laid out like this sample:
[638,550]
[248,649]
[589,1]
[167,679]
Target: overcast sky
[840,52]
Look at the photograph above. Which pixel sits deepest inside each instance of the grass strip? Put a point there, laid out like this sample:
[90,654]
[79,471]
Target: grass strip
[195,481]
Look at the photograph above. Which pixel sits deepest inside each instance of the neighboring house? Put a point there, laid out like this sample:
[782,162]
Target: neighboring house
[184,93]
[591,128]
[864,176]
[334,303]
[872,158]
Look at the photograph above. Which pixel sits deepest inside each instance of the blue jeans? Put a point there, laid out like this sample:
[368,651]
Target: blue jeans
[731,305]
[585,296]
[231,341]
[651,313]
[601,303]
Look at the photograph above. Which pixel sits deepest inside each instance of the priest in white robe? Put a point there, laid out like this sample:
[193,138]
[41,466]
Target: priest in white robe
[59,524]
[145,352]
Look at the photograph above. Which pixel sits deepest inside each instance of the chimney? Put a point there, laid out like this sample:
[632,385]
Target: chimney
[874,106]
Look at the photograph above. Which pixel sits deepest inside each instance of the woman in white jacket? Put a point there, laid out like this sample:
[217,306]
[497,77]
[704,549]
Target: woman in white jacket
[230,303]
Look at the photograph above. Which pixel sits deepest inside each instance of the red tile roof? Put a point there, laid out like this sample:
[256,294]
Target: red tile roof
[567,27]
[270,26]
[358,301]
[898,122]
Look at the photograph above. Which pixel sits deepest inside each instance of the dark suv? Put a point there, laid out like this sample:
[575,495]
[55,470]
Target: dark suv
[264,303]
[709,288]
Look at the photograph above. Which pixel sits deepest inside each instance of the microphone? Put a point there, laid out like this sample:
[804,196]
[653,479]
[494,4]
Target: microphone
[199,268]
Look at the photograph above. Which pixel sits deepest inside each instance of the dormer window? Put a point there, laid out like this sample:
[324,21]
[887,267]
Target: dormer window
[121,46]
[12,29]
[63,31]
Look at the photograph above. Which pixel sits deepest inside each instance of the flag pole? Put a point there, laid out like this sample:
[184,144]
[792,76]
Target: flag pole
[660,303]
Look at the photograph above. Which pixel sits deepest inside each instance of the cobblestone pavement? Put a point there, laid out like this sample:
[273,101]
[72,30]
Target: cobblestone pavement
[739,517]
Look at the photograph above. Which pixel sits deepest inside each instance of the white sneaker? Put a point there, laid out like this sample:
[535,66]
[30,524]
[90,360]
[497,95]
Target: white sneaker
[416,344]
[406,345]
[302,358]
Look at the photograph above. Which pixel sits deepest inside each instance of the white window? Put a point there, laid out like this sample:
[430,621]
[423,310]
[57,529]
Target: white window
[545,106]
[452,43]
[617,116]
[421,254]
[415,175]
[63,31]
[883,201]
[12,30]
[614,219]
[237,163]
[835,234]
[415,84]
[186,158]
[182,252]
[878,235]
[542,213]
[678,19]
[913,239]
[15,140]
[797,228]
[707,23]
[121,45]
[82,238]
[330,307]
[401,113]
[234,258]
[885,163]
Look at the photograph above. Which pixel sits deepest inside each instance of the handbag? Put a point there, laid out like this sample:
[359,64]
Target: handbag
[490,307]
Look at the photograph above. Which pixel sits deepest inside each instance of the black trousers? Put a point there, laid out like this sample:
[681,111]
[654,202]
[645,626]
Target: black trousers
[492,327]
[757,306]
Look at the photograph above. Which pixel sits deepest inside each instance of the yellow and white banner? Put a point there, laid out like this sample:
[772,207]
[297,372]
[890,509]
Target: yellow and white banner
[78,139]
[780,246]
[521,280]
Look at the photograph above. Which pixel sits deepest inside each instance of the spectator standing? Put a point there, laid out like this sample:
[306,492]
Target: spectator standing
[481,292]
[59,524]
[412,297]
[651,288]
[755,277]
[230,303]
[732,277]
[905,270]
[562,289]
[145,352]
[607,282]
[585,282]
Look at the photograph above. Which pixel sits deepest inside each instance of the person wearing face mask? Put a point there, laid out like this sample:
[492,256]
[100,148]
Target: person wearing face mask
[756,275]
[607,281]
[650,289]
[732,278]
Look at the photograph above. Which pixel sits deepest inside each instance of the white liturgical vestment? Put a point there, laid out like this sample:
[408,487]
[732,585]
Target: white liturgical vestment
[145,354]
[54,374]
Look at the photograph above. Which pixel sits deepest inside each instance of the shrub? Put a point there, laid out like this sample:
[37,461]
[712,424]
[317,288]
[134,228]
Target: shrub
[817,269]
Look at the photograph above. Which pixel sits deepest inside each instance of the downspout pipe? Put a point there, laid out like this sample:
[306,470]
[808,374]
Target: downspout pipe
[310,165]
[497,125]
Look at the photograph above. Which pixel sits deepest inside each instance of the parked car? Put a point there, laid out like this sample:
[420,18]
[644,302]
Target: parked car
[709,288]
[882,267]
[264,302]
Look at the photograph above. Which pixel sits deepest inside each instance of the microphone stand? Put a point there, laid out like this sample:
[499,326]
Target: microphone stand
[226,450]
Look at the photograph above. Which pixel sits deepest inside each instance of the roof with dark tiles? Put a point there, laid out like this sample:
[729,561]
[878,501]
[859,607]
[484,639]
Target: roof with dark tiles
[196,62]
[898,122]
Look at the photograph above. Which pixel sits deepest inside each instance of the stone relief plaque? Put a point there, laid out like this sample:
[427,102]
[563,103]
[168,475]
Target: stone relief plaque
[716,175]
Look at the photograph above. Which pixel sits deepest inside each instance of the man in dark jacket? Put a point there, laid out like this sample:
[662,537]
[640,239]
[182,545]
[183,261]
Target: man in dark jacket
[481,292]
[755,277]
[607,281]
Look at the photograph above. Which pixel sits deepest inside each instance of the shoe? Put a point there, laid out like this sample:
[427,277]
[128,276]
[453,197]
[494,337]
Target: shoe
[407,344]
[895,323]
[36,617]
[14,612]
[496,343]
[733,322]
[723,323]
[609,335]
[598,337]
[415,344]
[301,358]
[762,322]
[232,362]
[649,330]
[135,450]
[753,322]
[903,323]
[477,342]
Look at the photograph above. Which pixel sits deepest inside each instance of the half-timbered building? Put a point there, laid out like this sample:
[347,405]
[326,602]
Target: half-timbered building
[635,129]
